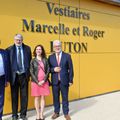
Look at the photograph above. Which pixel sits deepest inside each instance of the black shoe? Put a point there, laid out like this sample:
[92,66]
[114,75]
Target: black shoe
[14,118]
[23,118]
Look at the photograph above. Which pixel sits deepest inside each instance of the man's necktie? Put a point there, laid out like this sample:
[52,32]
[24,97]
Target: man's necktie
[58,61]
[19,62]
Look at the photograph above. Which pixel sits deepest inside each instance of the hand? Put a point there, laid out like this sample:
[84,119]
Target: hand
[57,69]
[41,83]
[7,84]
[70,84]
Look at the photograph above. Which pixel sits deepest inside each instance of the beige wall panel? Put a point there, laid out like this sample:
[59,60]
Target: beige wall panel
[52,1]
[74,91]
[102,32]
[95,5]
[68,41]
[73,3]
[99,73]
[13,7]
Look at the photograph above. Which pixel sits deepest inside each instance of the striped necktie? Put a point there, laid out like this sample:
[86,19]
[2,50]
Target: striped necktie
[19,62]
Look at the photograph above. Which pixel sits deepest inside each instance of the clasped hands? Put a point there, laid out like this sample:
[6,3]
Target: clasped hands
[40,83]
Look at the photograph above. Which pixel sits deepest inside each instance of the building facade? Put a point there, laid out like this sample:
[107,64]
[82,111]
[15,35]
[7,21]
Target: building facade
[89,31]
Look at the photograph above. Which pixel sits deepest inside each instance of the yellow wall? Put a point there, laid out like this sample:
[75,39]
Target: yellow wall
[100,67]
[97,69]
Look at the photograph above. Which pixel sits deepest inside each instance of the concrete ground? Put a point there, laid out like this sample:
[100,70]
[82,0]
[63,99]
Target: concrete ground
[104,107]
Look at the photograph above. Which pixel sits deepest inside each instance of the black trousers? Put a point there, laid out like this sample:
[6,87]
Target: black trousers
[21,84]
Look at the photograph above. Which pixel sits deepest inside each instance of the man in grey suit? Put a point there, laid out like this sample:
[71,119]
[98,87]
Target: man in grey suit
[20,57]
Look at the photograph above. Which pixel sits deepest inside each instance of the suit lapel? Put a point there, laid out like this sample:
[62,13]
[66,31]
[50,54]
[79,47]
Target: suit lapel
[62,57]
[25,56]
[14,57]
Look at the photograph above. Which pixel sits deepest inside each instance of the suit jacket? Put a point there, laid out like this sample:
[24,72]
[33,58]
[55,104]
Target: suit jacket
[13,61]
[66,73]
[34,69]
[6,64]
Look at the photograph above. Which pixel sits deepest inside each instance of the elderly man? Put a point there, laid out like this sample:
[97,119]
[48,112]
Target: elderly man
[20,57]
[61,69]
[4,77]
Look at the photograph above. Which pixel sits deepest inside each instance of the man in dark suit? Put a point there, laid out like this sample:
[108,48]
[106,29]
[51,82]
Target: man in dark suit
[61,69]
[20,57]
[4,77]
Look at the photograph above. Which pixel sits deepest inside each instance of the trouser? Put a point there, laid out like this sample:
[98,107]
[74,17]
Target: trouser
[20,84]
[64,89]
[2,89]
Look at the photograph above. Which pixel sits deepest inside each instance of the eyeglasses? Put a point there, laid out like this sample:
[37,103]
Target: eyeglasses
[18,40]
[56,46]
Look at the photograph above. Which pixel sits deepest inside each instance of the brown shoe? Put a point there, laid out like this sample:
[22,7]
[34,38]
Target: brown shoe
[67,117]
[55,115]
[42,119]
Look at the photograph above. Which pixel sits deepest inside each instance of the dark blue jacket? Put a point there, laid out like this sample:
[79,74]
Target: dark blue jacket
[66,73]
[13,61]
[6,64]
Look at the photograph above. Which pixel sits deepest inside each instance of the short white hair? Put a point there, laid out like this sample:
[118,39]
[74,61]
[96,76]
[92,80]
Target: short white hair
[56,42]
[18,36]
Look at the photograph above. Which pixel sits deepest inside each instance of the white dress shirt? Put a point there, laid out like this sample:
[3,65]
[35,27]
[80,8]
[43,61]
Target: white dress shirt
[2,71]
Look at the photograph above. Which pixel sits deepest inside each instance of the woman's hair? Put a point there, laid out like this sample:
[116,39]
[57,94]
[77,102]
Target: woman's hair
[43,54]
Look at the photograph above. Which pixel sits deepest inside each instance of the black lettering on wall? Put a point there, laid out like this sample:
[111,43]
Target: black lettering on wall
[29,27]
